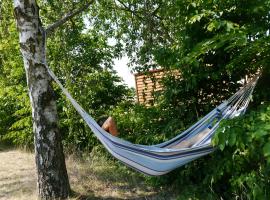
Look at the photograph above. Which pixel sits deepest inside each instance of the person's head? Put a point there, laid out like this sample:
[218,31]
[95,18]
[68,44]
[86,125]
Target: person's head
[101,120]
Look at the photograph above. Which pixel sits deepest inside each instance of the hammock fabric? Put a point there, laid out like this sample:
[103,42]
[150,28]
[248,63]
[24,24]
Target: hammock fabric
[162,158]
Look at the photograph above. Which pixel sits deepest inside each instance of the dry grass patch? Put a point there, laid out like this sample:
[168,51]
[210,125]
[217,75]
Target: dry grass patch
[17,175]
[95,177]
[102,178]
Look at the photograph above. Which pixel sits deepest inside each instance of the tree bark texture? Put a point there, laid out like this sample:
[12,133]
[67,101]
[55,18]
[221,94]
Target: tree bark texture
[52,180]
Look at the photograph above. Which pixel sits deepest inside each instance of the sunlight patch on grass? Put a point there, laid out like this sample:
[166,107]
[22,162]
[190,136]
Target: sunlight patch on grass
[17,175]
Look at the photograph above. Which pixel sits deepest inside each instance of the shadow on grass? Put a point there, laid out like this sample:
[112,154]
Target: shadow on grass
[103,178]
[96,177]
[5,147]
[77,196]
[91,196]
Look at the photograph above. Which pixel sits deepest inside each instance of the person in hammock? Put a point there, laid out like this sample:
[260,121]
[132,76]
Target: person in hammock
[191,141]
[108,124]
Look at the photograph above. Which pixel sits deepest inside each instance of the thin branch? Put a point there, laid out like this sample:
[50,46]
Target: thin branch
[126,8]
[67,17]
[136,13]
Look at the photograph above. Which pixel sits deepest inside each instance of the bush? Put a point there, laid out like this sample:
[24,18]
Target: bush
[15,117]
[245,151]
[239,169]
[97,92]
[146,125]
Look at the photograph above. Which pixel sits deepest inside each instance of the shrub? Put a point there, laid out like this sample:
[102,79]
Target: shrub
[239,169]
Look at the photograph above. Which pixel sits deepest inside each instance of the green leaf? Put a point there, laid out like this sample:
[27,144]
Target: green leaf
[266,149]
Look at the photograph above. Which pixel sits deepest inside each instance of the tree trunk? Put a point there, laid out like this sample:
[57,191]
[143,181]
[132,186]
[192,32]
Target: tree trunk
[50,162]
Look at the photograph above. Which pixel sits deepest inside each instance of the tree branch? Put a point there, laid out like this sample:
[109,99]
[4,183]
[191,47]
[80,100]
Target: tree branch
[145,13]
[126,8]
[67,17]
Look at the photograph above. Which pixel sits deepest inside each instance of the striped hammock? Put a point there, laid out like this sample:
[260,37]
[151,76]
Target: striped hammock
[189,145]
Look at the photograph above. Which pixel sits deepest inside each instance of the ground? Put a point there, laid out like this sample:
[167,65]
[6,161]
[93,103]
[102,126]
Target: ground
[95,178]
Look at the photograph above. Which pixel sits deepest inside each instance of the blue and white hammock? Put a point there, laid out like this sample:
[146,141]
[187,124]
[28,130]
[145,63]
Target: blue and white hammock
[162,158]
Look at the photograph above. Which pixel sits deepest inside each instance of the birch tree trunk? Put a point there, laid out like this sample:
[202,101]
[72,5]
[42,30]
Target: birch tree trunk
[50,162]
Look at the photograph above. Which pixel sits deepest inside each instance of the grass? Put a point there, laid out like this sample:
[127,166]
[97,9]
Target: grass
[101,177]
[92,177]
[16,175]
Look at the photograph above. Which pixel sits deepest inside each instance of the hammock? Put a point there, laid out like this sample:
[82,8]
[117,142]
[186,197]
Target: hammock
[189,145]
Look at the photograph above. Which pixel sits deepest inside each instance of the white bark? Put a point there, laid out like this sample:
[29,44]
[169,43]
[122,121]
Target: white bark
[51,169]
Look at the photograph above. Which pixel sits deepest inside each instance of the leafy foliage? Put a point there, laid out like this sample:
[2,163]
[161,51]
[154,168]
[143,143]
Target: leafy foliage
[213,44]
[15,114]
[82,60]
[85,68]
[98,92]
[244,167]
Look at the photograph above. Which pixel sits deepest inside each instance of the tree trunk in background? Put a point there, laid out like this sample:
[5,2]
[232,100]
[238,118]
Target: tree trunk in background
[50,162]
